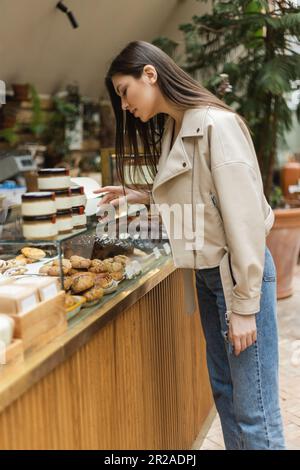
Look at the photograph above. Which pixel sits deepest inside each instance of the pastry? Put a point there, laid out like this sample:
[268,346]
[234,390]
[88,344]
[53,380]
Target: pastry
[33,253]
[11,263]
[67,266]
[24,260]
[98,266]
[82,282]
[72,271]
[123,259]
[70,301]
[78,262]
[117,275]
[116,266]
[16,270]
[55,270]
[93,294]
[68,281]
[2,265]
[108,265]
[44,269]
[105,281]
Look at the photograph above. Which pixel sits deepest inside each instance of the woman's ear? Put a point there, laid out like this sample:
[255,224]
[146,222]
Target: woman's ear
[150,74]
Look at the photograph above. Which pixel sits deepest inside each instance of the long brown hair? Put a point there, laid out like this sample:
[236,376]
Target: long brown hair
[174,83]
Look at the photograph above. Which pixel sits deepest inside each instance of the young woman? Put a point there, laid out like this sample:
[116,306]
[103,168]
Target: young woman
[202,159]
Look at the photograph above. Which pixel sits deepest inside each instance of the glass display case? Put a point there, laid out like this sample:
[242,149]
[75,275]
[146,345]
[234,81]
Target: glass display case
[90,264]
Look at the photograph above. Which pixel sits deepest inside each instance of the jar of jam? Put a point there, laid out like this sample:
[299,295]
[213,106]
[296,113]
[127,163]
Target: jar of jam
[38,203]
[40,227]
[63,199]
[64,221]
[53,178]
[79,217]
[78,196]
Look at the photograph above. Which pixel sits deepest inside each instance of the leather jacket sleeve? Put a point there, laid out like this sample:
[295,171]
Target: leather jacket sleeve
[239,192]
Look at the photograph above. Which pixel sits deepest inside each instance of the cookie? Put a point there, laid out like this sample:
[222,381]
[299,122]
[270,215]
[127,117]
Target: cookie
[73,271]
[22,259]
[55,270]
[68,281]
[67,266]
[2,266]
[117,275]
[69,301]
[44,269]
[116,266]
[16,270]
[95,293]
[33,253]
[103,281]
[78,262]
[121,259]
[82,282]
[98,266]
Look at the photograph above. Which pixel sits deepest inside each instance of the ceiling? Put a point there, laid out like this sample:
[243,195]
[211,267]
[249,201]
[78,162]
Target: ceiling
[38,44]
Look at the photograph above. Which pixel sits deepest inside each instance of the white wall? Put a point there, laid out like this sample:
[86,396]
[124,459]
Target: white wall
[38,45]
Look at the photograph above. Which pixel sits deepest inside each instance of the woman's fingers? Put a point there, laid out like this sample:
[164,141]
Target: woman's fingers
[106,199]
[241,343]
[114,189]
[237,345]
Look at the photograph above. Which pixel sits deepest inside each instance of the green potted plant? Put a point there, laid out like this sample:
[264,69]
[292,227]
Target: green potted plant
[252,43]
[37,125]
[10,135]
[64,116]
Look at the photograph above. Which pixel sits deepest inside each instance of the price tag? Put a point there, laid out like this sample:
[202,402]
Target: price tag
[156,252]
[129,271]
[136,267]
[167,248]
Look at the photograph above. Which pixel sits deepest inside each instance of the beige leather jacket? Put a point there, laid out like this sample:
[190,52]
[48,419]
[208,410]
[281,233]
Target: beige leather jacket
[211,178]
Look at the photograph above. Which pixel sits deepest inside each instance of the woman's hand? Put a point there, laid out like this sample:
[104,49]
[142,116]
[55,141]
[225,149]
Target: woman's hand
[118,195]
[242,331]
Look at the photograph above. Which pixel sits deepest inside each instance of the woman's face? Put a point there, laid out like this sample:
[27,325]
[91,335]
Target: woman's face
[142,96]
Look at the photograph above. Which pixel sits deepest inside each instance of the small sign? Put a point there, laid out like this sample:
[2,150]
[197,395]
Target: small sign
[129,271]
[167,248]
[136,267]
[156,252]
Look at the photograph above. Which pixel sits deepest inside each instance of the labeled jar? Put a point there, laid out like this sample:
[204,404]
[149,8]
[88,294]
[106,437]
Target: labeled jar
[64,221]
[78,196]
[38,203]
[63,199]
[79,217]
[53,178]
[41,227]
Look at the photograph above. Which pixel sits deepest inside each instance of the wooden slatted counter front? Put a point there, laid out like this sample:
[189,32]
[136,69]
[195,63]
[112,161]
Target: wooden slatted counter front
[130,375]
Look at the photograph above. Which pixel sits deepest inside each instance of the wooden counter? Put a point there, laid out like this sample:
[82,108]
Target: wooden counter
[129,375]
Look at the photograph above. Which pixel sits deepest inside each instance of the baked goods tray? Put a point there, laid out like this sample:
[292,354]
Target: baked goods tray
[147,262]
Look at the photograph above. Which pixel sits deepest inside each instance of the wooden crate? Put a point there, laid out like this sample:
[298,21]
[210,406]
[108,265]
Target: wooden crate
[15,352]
[42,324]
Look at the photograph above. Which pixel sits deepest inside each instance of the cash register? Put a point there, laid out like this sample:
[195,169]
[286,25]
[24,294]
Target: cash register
[15,162]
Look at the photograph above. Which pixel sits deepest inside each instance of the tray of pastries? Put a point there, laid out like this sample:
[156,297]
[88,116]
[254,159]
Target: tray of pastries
[85,280]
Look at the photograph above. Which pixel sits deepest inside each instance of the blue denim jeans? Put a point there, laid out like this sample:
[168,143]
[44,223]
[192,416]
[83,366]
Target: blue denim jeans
[245,387]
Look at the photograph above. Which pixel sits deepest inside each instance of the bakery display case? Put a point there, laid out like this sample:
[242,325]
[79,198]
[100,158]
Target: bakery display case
[93,330]
[86,266]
